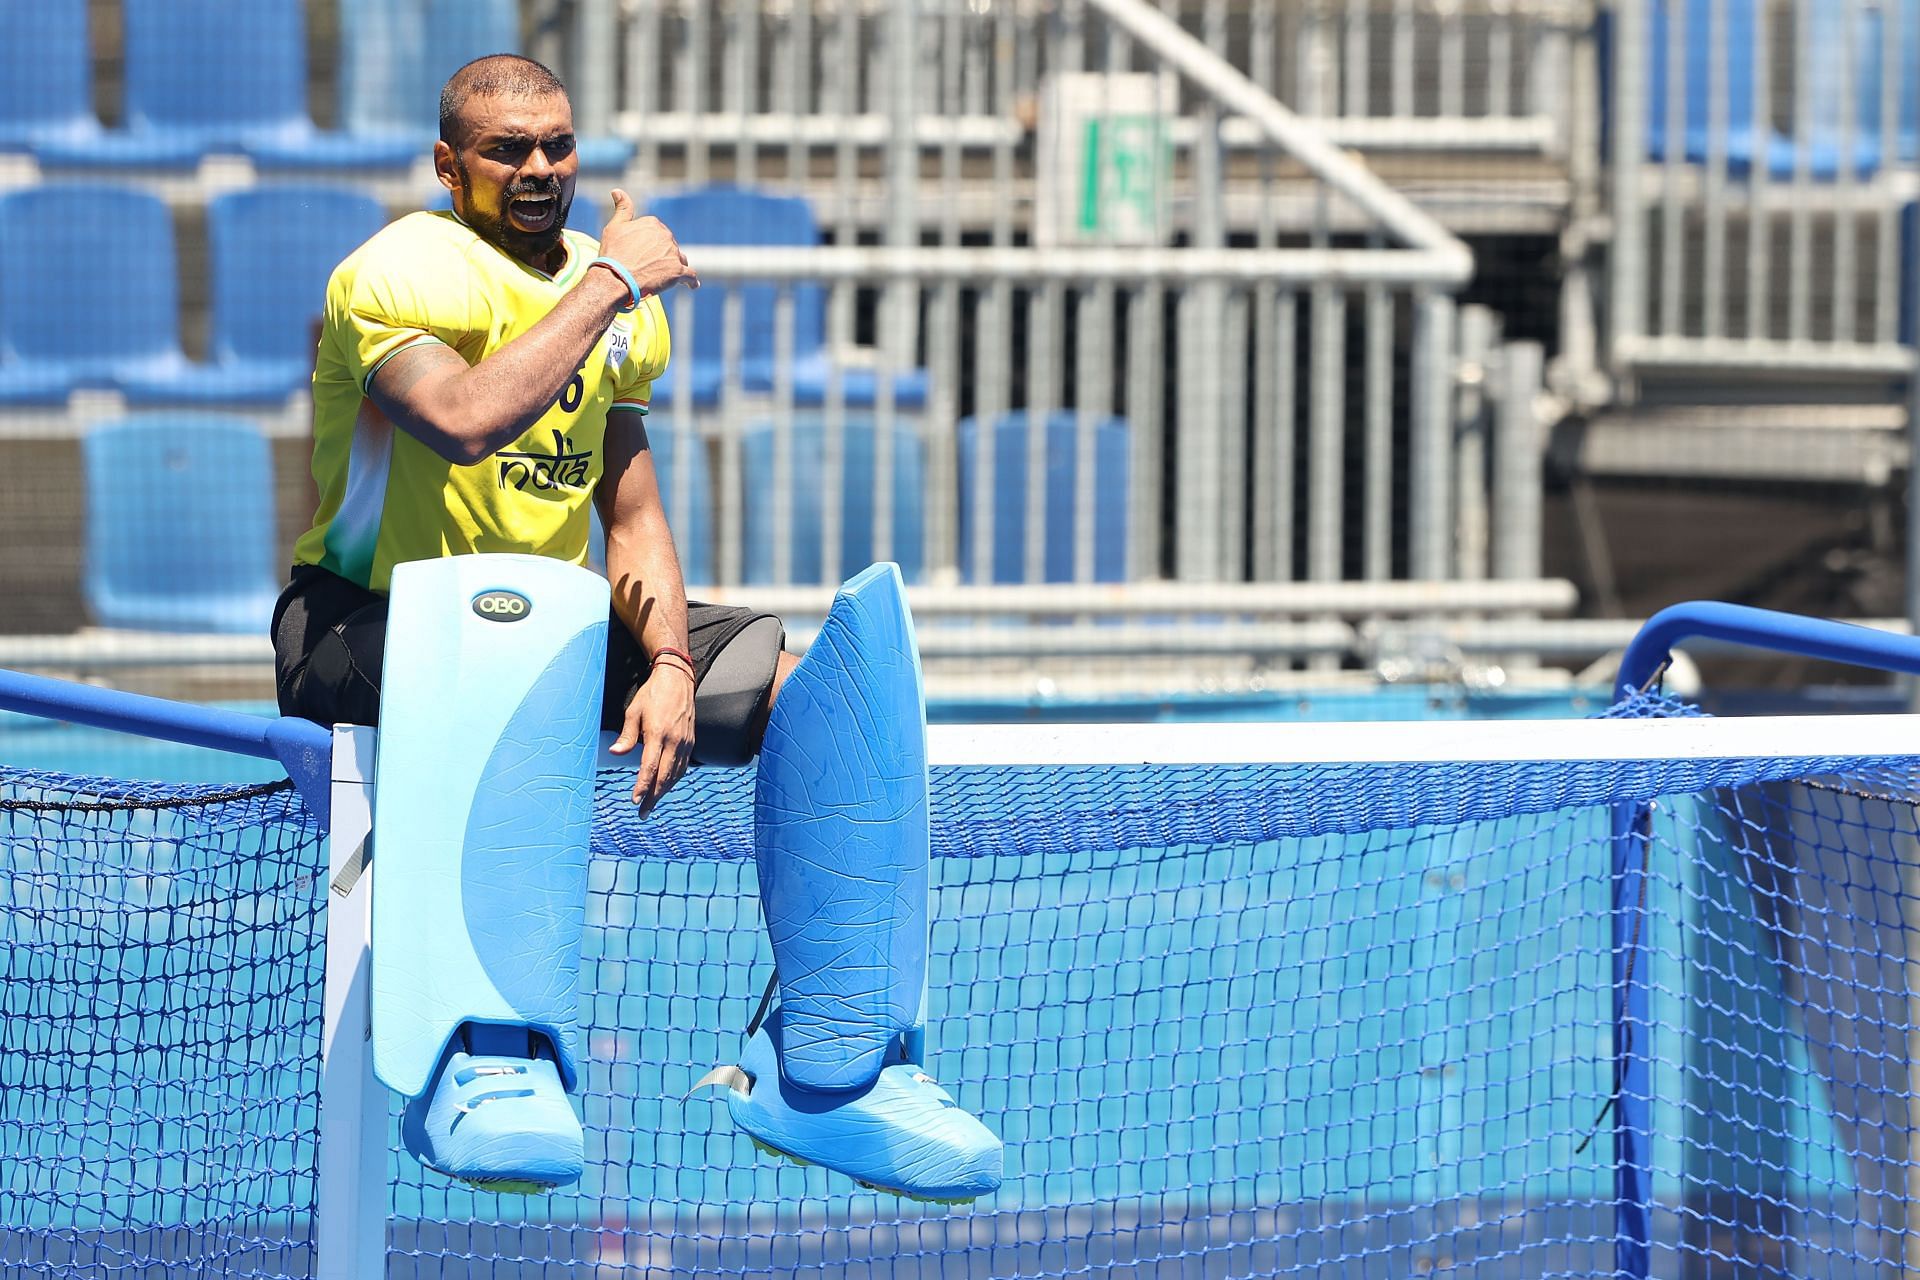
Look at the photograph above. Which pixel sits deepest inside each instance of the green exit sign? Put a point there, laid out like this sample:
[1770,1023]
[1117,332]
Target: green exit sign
[1123,180]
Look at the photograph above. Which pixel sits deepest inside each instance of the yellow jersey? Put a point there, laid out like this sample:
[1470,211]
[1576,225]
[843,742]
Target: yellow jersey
[386,498]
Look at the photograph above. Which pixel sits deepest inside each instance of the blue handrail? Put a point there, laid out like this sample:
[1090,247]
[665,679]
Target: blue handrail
[1648,652]
[1760,629]
[303,748]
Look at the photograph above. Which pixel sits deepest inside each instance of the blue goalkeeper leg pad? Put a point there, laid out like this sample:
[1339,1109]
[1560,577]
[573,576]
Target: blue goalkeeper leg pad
[489,720]
[841,841]
[496,1114]
[902,1134]
[840,838]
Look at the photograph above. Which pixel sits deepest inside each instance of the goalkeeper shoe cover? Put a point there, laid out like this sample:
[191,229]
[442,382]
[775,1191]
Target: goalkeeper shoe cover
[496,1114]
[901,1134]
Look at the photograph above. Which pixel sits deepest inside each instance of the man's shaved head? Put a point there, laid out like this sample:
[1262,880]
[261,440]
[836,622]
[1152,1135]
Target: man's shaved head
[496,75]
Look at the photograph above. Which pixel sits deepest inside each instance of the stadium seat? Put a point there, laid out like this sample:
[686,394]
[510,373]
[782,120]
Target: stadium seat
[220,75]
[692,538]
[1111,465]
[728,215]
[46,77]
[1827,96]
[88,298]
[1697,69]
[180,524]
[857,490]
[589,213]
[607,154]
[272,250]
[395,55]
[1870,67]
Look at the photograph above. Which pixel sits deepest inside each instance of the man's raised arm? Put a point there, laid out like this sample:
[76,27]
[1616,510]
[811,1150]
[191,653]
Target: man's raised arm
[464,413]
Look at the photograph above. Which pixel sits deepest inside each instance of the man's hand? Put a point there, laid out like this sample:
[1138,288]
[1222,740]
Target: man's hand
[660,717]
[645,247]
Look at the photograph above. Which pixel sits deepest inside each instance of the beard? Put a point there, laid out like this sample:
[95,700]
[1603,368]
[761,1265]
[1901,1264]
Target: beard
[497,228]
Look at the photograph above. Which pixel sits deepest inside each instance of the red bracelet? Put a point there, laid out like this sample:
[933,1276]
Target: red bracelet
[668,651]
[678,658]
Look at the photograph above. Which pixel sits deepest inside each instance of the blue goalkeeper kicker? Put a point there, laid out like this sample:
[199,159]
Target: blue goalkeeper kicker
[490,715]
[841,842]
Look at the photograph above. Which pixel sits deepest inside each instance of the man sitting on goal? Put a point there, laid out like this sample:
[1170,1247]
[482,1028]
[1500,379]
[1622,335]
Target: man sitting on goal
[482,374]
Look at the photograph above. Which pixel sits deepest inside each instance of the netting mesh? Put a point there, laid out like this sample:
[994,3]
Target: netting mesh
[159,1028]
[982,810]
[1271,1040]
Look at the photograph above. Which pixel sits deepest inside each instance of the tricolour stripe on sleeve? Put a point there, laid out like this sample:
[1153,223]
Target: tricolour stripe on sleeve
[408,345]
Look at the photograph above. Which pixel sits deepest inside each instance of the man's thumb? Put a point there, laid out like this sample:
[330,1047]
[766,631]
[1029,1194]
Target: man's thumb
[622,207]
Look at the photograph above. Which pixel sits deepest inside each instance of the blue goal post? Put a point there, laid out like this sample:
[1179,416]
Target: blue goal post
[1126,916]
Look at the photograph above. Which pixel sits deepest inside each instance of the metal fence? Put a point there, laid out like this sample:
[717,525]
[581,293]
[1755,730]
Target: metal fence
[1762,153]
[1290,410]
[808,72]
[1249,387]
[804,93]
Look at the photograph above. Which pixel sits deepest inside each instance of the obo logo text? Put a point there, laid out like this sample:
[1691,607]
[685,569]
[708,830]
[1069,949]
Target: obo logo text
[502,606]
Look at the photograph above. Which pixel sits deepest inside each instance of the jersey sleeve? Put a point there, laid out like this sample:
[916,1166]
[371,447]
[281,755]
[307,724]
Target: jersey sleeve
[646,360]
[398,295]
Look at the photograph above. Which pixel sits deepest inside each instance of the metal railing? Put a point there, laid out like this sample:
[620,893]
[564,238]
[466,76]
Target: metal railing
[1256,379]
[743,84]
[1762,152]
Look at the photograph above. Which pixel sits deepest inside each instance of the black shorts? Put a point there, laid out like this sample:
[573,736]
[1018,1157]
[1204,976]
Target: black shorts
[330,641]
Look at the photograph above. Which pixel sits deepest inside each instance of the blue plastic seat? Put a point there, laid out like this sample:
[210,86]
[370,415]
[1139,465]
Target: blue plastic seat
[588,215]
[605,153]
[88,298]
[220,75]
[46,76]
[180,524]
[1869,80]
[692,537]
[396,54]
[729,215]
[1738,36]
[1111,462]
[858,487]
[273,249]
[1826,95]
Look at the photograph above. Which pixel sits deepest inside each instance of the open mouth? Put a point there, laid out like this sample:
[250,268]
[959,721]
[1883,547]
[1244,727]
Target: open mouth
[533,213]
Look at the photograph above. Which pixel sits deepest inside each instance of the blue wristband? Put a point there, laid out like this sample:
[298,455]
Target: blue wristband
[626,277]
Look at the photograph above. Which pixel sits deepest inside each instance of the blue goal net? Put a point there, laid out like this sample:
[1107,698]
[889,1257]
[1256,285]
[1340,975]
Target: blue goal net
[1517,1019]
[160,1028]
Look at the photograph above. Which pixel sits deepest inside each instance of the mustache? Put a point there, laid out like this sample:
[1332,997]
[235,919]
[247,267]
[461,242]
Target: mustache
[534,187]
